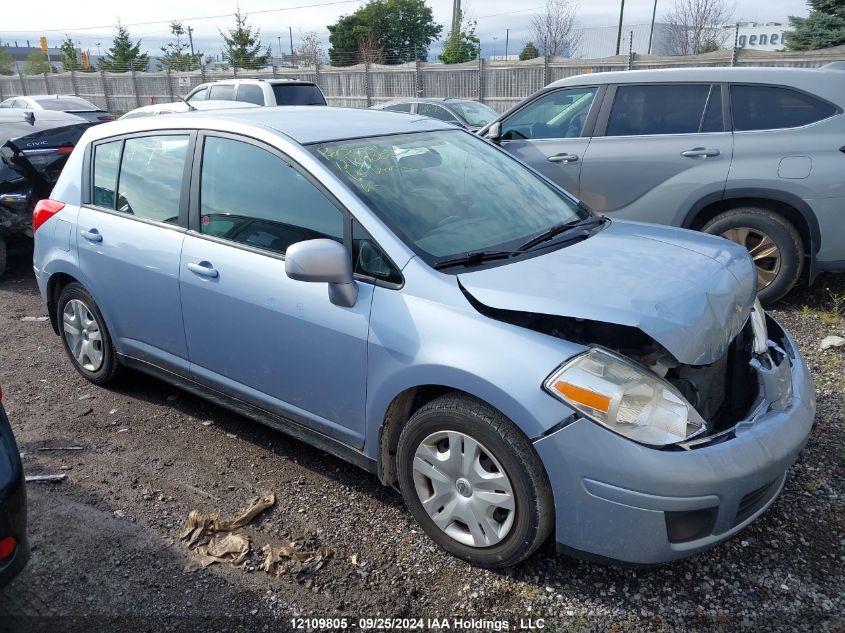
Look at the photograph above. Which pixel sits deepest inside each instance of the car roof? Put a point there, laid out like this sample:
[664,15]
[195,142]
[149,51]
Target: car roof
[251,80]
[304,124]
[745,74]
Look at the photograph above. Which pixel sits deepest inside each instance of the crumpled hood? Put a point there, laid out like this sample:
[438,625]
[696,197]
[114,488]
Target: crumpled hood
[690,292]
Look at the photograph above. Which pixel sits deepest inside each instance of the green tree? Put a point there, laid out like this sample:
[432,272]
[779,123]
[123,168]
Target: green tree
[403,29]
[463,45]
[177,54]
[242,47]
[823,28]
[69,59]
[37,63]
[123,55]
[529,51]
[6,60]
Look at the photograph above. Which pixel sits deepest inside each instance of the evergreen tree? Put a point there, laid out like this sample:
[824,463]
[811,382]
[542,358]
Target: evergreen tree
[529,51]
[69,59]
[242,47]
[177,54]
[823,28]
[123,55]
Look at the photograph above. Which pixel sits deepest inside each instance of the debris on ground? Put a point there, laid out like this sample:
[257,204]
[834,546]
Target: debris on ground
[285,558]
[60,448]
[832,341]
[226,548]
[45,479]
[32,318]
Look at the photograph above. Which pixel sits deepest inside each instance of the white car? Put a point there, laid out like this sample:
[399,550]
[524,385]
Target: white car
[263,92]
[60,103]
[182,106]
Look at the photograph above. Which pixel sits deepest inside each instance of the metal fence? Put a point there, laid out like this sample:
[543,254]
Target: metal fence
[498,84]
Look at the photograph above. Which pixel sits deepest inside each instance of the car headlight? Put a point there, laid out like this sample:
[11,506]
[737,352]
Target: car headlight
[626,398]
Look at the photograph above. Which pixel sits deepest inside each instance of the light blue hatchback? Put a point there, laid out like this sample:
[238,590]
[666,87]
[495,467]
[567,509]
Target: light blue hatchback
[410,297]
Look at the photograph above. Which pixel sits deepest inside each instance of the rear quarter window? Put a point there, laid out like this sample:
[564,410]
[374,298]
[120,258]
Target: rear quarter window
[222,92]
[775,108]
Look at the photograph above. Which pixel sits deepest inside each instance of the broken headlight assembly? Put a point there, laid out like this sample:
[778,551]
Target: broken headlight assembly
[626,398]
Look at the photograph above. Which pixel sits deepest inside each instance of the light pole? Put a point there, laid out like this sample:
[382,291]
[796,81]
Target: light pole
[619,31]
[494,47]
[507,37]
[651,32]
[290,32]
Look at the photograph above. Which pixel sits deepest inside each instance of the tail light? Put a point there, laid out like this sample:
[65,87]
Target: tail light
[7,547]
[44,210]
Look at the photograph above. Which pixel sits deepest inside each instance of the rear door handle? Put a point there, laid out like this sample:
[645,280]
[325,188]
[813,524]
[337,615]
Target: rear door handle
[92,236]
[563,158]
[204,269]
[700,152]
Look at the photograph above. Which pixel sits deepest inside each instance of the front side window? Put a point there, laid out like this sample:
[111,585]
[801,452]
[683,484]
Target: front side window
[474,113]
[151,172]
[775,107]
[658,109]
[106,160]
[222,92]
[447,193]
[435,112]
[251,94]
[251,196]
[199,95]
[558,114]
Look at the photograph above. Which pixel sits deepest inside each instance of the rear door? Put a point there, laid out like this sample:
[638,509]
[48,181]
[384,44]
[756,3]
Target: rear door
[552,132]
[129,239]
[657,150]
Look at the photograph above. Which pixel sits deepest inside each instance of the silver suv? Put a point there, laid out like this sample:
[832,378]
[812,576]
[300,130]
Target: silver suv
[752,154]
[263,92]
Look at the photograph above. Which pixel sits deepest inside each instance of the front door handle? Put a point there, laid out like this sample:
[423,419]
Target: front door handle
[563,158]
[92,236]
[700,152]
[204,269]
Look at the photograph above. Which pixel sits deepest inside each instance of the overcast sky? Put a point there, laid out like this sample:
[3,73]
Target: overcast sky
[90,21]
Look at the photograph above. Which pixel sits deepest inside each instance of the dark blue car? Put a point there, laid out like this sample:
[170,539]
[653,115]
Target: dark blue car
[14,548]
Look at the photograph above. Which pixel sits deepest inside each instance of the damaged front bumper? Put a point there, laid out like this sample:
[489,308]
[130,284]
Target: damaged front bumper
[620,501]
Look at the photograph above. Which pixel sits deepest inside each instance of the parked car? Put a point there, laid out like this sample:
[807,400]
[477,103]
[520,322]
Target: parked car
[14,546]
[181,106]
[34,146]
[467,113]
[424,305]
[69,104]
[263,92]
[752,154]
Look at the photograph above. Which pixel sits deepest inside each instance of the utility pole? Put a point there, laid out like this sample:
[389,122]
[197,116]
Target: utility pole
[619,31]
[507,35]
[651,32]
[191,40]
[456,16]
[279,37]
[290,32]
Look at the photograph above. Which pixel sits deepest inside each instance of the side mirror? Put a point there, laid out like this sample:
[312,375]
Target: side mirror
[494,132]
[323,261]
[29,117]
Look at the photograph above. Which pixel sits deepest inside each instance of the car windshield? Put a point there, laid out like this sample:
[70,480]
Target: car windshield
[474,113]
[298,94]
[65,103]
[448,193]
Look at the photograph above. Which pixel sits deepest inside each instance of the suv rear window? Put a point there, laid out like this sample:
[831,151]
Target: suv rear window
[774,107]
[298,94]
[658,109]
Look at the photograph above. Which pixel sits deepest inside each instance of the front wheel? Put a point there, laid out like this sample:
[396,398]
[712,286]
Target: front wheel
[474,482]
[774,244]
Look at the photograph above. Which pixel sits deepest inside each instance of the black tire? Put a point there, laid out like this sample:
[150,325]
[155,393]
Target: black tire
[110,367]
[780,231]
[2,255]
[534,507]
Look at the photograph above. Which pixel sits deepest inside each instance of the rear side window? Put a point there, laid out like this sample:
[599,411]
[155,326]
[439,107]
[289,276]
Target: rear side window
[398,107]
[298,94]
[150,182]
[106,159]
[435,112]
[251,94]
[658,109]
[775,107]
[253,197]
[222,92]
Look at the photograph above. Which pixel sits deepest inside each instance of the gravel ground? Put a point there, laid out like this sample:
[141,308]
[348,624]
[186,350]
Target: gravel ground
[107,554]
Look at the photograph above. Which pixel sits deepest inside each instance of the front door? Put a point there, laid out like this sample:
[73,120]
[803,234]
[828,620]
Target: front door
[551,134]
[656,151]
[252,332]
[129,244]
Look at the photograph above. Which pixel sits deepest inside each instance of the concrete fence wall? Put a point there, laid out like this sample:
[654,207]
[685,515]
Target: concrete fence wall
[498,84]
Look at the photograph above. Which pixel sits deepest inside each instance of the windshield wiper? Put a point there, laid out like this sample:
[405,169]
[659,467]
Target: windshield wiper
[573,228]
[473,257]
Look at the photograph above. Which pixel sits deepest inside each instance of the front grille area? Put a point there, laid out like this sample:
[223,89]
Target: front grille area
[755,500]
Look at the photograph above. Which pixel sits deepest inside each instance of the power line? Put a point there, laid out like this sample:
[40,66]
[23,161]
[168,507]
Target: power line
[493,15]
[202,17]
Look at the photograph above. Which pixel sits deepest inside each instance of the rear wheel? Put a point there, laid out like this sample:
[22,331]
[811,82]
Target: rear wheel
[774,244]
[474,482]
[86,340]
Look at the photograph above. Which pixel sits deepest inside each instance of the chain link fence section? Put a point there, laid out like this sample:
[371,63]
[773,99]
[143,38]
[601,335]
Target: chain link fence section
[500,84]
